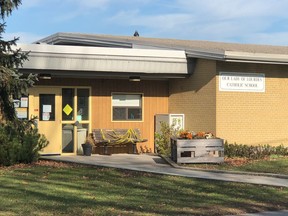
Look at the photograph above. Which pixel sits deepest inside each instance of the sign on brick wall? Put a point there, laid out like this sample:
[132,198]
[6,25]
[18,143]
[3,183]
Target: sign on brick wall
[241,82]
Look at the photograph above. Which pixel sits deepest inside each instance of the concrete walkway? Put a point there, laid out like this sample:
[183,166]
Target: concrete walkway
[275,213]
[155,164]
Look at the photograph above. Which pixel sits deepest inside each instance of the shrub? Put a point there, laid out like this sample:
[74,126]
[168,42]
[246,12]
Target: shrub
[162,138]
[254,152]
[20,142]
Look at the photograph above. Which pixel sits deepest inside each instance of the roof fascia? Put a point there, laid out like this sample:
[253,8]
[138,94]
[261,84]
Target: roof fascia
[228,56]
[244,57]
[219,56]
[62,39]
[102,74]
[247,57]
[49,57]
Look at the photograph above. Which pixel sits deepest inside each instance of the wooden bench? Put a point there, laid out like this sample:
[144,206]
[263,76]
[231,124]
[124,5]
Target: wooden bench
[113,141]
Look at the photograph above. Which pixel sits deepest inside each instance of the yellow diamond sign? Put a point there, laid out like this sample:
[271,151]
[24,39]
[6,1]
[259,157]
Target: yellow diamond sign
[67,109]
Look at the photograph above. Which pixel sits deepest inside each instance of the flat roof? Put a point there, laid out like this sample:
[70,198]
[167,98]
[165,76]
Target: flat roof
[234,52]
[128,41]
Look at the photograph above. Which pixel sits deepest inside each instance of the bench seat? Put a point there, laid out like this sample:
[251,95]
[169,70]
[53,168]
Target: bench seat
[113,141]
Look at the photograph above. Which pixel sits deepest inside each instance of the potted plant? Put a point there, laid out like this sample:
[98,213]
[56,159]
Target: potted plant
[87,146]
[192,135]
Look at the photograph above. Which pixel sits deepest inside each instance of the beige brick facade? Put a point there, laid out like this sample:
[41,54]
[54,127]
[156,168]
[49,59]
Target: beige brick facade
[196,97]
[238,117]
[254,118]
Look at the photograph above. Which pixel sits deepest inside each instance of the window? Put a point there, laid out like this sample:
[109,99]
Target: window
[127,107]
[21,107]
[82,104]
[67,104]
[47,107]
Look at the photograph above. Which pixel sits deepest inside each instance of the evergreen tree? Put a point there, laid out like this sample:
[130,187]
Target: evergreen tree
[20,141]
[12,83]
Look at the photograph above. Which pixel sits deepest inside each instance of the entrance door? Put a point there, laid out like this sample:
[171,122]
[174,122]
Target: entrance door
[63,117]
[75,118]
[45,103]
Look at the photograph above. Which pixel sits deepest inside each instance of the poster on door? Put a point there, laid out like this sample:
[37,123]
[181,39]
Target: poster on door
[46,110]
[21,107]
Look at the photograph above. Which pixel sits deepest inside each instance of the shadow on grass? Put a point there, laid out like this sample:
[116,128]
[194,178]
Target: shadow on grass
[276,166]
[105,191]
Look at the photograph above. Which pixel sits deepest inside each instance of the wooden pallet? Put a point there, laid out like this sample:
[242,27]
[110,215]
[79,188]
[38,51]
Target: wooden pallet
[197,150]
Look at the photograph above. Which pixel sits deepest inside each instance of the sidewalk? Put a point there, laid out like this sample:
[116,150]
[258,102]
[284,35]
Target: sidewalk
[276,213]
[155,164]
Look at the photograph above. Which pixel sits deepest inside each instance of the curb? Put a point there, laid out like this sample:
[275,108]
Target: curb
[175,165]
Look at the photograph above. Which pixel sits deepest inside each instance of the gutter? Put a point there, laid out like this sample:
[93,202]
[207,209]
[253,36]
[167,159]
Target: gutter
[242,57]
[262,58]
[219,56]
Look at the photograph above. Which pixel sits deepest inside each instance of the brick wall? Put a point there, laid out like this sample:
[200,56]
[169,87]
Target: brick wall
[254,118]
[196,97]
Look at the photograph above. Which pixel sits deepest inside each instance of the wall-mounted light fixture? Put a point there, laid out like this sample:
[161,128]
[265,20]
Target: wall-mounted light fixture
[45,76]
[134,78]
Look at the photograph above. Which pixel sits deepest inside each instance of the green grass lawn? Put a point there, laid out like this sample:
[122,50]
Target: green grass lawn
[51,188]
[276,165]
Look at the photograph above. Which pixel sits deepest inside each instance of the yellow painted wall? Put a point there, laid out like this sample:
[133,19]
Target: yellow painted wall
[155,101]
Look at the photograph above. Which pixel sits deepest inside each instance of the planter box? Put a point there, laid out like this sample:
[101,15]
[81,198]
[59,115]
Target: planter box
[197,150]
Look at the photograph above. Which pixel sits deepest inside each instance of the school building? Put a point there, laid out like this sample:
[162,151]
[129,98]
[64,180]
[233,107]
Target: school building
[239,92]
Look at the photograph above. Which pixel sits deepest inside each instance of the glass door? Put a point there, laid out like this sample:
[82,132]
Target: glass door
[75,119]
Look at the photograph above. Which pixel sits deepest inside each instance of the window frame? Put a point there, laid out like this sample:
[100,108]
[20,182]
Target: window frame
[127,107]
[52,117]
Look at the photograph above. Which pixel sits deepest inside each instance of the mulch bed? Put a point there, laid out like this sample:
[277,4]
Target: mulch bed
[47,163]
[237,161]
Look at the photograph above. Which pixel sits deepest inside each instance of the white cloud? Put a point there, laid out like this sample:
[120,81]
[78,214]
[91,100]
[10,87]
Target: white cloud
[74,8]
[24,37]
[164,21]
[275,38]
[84,3]
[31,3]
[221,20]
[227,9]
[89,4]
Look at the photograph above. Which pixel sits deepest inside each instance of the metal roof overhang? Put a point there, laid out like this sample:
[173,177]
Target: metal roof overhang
[218,54]
[197,53]
[235,56]
[263,58]
[77,39]
[89,62]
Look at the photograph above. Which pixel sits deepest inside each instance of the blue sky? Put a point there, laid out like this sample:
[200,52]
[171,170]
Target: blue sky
[240,21]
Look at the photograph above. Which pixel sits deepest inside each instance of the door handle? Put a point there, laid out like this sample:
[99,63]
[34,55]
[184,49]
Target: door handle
[76,123]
